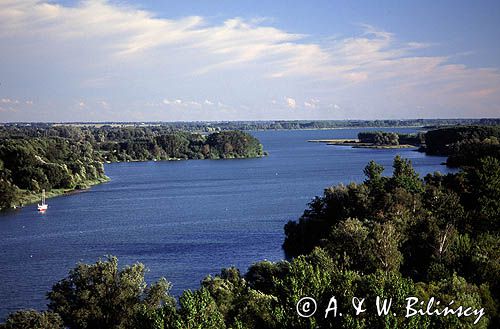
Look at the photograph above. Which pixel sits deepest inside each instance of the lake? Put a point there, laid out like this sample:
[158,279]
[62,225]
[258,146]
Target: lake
[182,219]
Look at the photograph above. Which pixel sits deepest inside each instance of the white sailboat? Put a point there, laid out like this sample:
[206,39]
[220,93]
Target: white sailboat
[42,207]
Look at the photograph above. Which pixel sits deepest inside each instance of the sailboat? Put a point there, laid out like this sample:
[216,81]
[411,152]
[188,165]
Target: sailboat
[42,207]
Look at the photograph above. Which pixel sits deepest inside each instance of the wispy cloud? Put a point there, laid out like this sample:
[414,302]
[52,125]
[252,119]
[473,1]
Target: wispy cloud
[97,48]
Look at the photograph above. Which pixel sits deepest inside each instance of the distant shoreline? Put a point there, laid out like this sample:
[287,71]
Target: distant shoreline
[341,128]
[355,143]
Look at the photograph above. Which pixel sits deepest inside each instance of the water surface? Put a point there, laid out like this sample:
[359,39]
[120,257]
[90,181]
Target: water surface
[182,219]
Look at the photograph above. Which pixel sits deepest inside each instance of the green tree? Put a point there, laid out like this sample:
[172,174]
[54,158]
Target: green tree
[385,247]
[485,188]
[349,244]
[31,319]
[462,293]
[199,310]
[404,176]
[8,194]
[102,296]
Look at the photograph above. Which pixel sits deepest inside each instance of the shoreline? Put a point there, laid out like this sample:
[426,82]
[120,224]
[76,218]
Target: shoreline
[28,198]
[355,143]
[188,159]
[340,128]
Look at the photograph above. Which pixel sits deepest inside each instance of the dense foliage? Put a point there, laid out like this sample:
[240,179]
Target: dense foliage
[29,165]
[140,144]
[33,158]
[379,138]
[434,231]
[464,146]
[382,138]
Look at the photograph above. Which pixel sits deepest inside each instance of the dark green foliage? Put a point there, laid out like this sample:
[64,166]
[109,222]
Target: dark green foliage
[464,146]
[45,163]
[382,138]
[140,144]
[229,301]
[70,157]
[412,139]
[431,231]
[444,141]
[233,144]
[198,309]
[102,296]
[260,276]
[404,176]
[31,319]
[379,138]
[376,199]
[485,193]
[8,193]
[441,230]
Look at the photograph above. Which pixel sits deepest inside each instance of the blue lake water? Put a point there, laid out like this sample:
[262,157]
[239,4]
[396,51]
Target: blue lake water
[182,219]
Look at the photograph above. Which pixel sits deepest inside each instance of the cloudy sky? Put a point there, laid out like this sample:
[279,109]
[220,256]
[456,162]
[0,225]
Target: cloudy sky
[127,60]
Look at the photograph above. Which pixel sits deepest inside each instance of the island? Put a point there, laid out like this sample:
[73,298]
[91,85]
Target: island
[377,140]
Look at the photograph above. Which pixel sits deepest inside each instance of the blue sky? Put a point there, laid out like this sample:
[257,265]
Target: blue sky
[248,60]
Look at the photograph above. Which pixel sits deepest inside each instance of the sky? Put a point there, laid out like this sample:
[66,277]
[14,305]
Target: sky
[98,60]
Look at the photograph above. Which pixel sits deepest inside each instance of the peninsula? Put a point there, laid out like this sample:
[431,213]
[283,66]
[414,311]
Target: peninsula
[61,158]
[377,140]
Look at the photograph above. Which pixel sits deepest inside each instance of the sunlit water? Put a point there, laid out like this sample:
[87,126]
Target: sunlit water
[182,219]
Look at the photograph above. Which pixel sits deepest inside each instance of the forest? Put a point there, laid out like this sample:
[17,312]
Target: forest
[64,158]
[390,236]
[382,138]
[464,145]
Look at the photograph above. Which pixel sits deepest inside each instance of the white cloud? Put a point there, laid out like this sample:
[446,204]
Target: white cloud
[104,105]
[290,102]
[312,103]
[97,48]
[9,101]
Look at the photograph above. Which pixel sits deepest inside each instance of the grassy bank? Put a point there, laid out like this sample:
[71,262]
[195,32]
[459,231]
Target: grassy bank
[30,197]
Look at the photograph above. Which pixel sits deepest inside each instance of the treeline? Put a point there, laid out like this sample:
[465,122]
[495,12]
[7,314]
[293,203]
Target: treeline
[134,143]
[464,146]
[393,237]
[33,158]
[382,138]
[440,235]
[177,145]
[29,165]
[207,126]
